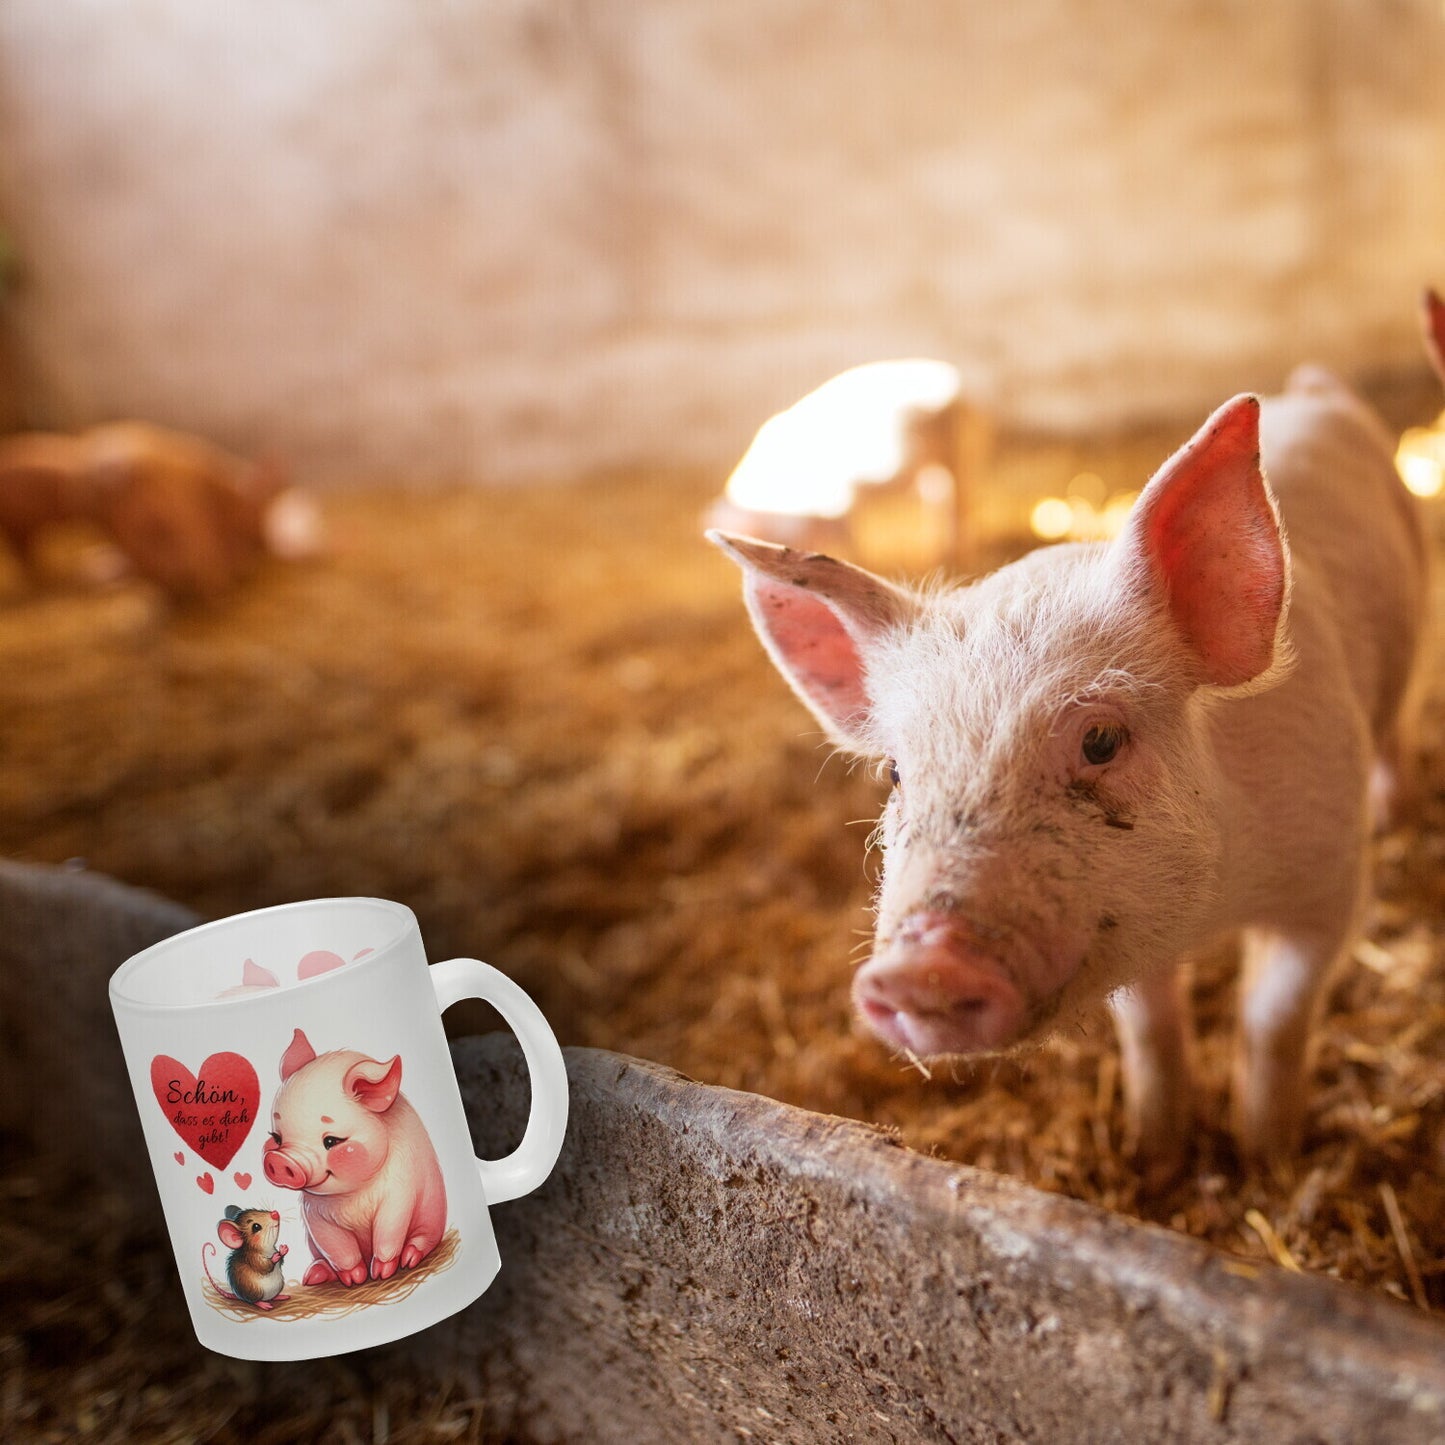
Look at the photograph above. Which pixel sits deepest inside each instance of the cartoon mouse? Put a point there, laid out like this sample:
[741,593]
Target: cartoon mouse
[253,1267]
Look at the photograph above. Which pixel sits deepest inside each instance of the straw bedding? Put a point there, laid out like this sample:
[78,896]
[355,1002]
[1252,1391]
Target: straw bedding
[540,718]
[334,1300]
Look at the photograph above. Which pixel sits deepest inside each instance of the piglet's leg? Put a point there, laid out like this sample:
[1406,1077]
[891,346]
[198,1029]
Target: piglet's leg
[1152,1019]
[320,1271]
[388,1236]
[337,1250]
[1280,989]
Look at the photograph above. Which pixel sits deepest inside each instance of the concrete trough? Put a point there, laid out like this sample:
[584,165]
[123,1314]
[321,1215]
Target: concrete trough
[711,1265]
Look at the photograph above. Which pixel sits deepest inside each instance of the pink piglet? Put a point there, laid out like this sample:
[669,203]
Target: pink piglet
[345,1137]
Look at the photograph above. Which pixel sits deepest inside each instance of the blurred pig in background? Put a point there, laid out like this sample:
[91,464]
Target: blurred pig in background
[183,513]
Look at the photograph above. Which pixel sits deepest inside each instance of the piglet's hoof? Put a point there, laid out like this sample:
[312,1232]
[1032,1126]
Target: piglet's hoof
[413,1255]
[383,1268]
[319,1273]
[355,1275]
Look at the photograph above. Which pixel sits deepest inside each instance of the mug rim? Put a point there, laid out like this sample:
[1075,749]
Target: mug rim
[119,980]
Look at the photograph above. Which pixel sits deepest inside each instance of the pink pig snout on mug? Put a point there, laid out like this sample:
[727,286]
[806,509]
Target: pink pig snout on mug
[280,1168]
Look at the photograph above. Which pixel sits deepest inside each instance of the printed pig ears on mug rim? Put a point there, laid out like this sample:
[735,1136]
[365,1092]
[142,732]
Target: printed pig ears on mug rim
[254,976]
[1207,532]
[814,614]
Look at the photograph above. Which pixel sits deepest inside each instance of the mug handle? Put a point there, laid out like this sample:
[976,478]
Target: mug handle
[521,1171]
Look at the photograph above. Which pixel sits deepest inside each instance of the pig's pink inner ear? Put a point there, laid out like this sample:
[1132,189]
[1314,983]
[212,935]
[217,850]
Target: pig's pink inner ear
[1208,531]
[230,1236]
[813,650]
[374,1085]
[298,1054]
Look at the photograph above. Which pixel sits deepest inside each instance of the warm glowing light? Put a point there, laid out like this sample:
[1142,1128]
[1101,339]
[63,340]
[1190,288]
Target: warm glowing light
[1052,519]
[1088,487]
[1079,518]
[1423,475]
[1116,512]
[935,484]
[853,430]
[1421,458]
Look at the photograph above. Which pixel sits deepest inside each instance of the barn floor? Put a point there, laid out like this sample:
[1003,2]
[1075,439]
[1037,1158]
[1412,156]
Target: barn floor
[540,719]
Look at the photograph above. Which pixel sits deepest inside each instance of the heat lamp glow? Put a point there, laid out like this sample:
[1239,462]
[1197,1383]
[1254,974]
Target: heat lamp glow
[1087,512]
[1421,458]
[852,431]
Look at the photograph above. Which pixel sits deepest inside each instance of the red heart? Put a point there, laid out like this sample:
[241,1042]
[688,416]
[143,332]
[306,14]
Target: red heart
[212,1110]
[179,1157]
[243,1181]
[206,1182]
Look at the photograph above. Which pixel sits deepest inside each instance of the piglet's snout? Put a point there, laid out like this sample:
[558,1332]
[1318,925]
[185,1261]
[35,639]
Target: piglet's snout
[933,990]
[283,1170]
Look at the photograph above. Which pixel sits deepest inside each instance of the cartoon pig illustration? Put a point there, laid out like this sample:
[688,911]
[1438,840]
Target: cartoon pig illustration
[342,1133]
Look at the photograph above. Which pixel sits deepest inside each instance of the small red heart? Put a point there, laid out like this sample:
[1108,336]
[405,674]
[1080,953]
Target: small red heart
[179,1157]
[243,1181]
[206,1182]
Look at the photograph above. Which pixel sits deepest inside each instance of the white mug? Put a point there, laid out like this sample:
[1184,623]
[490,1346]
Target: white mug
[306,1129]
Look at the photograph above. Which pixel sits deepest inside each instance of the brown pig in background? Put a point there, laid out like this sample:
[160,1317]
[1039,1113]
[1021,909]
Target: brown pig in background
[1107,755]
[187,515]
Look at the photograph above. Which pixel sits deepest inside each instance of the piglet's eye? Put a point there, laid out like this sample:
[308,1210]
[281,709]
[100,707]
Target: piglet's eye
[331,1141]
[893,772]
[1102,742]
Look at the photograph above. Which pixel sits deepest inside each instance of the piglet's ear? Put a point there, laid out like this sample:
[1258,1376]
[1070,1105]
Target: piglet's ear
[230,1236]
[1432,320]
[1205,534]
[373,1085]
[817,618]
[298,1054]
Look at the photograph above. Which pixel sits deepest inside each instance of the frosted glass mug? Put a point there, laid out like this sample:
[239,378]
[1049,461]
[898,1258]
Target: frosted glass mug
[306,1128]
